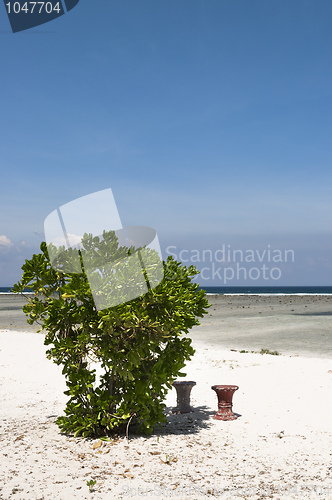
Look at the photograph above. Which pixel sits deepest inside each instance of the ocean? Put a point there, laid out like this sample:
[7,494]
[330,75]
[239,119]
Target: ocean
[8,289]
[253,290]
[268,290]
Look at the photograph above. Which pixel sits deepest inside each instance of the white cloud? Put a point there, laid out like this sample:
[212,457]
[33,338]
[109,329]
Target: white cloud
[73,239]
[5,242]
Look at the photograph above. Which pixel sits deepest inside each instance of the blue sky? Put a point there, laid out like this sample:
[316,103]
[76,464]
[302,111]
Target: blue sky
[210,120]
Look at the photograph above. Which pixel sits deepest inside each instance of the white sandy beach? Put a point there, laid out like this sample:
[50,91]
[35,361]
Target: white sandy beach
[279,447]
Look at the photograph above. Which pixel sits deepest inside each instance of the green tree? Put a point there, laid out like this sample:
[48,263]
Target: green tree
[138,345]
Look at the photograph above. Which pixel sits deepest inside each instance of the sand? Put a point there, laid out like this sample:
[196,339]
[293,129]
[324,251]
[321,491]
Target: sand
[294,325]
[279,447]
[11,315]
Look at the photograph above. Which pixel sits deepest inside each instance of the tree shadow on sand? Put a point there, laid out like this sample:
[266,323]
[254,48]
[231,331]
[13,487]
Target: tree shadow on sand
[186,423]
[183,423]
[178,423]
